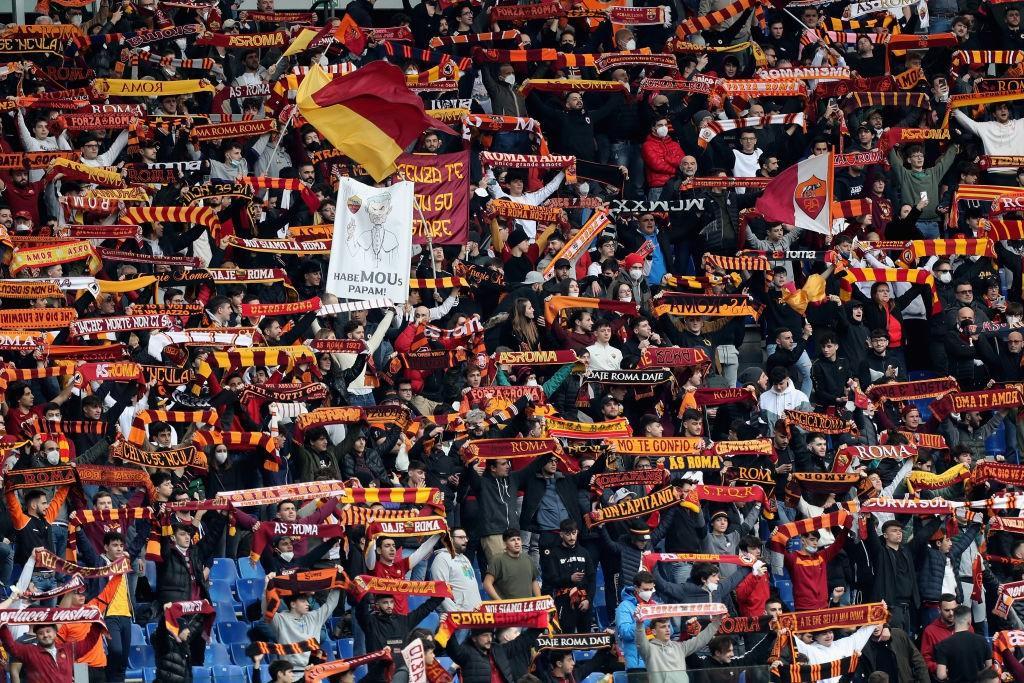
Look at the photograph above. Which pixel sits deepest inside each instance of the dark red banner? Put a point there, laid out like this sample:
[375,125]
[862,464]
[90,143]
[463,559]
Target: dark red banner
[442,193]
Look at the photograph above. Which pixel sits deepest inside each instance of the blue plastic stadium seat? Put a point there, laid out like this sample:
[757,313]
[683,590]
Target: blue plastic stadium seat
[345,650]
[247,571]
[265,672]
[430,622]
[150,628]
[249,590]
[217,655]
[620,677]
[785,589]
[415,601]
[361,672]
[224,569]
[233,632]
[138,635]
[134,675]
[238,655]
[149,674]
[594,677]
[201,674]
[140,656]
[996,444]
[225,611]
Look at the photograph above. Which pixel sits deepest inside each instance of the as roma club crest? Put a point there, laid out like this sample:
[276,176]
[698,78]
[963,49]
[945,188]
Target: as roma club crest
[810,196]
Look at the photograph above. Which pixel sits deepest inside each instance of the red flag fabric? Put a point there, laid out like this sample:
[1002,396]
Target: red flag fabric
[801,195]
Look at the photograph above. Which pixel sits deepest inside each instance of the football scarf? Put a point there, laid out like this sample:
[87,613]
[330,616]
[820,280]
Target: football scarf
[29,616]
[809,673]
[819,482]
[712,129]
[919,480]
[636,507]
[319,672]
[119,87]
[924,440]
[76,583]
[852,276]
[652,478]
[853,616]
[655,610]
[552,162]
[649,560]
[377,585]
[569,429]
[234,129]
[719,397]
[575,246]
[495,614]
[257,647]
[47,561]
[173,458]
[672,357]
[1004,473]
[912,391]
[711,305]
[575,641]
[901,506]
[555,305]
[42,257]
[178,610]
[736,263]
[262,537]
[710,20]
[987,399]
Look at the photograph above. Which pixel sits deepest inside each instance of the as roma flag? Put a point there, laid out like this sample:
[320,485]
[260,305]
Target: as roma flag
[369,115]
[350,35]
[801,195]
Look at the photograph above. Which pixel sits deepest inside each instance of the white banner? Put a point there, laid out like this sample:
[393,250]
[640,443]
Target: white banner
[372,244]
[415,661]
[859,9]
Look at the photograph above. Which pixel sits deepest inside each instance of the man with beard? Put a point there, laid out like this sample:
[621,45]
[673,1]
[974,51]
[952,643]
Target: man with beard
[383,626]
[22,195]
[570,576]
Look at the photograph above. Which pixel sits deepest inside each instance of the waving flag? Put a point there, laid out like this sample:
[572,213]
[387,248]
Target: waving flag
[369,115]
[801,195]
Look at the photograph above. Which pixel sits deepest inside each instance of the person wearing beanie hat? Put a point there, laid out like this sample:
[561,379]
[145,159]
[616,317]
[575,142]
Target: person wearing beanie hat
[519,255]
[723,540]
[881,205]
[632,275]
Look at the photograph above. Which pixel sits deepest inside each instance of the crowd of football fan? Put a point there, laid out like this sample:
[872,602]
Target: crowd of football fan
[518,528]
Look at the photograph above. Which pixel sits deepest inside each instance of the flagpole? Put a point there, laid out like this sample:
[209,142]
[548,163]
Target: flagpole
[426,227]
[283,129]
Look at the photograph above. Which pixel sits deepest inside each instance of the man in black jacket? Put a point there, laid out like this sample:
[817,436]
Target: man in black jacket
[548,498]
[384,626]
[479,655]
[570,576]
[180,576]
[830,375]
[496,488]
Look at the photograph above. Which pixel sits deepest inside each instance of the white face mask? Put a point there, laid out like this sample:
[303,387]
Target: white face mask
[76,20]
[53,457]
[583,189]
[287,557]
[645,595]
[636,273]
[510,79]
[626,297]
[712,586]
[531,382]
[221,456]
[630,44]
[661,131]
[944,278]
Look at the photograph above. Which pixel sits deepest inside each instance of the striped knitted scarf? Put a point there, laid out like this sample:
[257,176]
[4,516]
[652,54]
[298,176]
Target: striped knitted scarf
[144,418]
[406,52]
[997,229]
[315,674]
[859,99]
[708,133]
[962,246]
[202,215]
[523,615]
[650,560]
[862,25]
[784,532]
[579,242]
[494,55]
[555,305]
[437,282]
[977,59]
[851,276]
[80,518]
[310,199]
[179,610]
[257,647]
[710,20]
[653,478]
[570,429]
[243,441]
[475,38]
[736,263]
[842,669]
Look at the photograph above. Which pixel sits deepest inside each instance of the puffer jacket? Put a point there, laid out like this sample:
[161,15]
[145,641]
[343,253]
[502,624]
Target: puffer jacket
[512,659]
[174,580]
[498,497]
[661,159]
[931,563]
[625,627]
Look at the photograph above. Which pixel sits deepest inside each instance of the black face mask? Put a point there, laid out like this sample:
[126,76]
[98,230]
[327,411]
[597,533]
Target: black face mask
[313,147]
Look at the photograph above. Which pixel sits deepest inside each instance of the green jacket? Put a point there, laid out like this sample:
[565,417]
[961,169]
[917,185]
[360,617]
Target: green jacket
[913,183]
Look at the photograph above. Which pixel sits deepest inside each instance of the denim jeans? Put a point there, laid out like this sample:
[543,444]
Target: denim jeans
[44,582]
[627,154]
[936,25]
[118,647]
[930,229]
[60,539]
[363,400]
[517,141]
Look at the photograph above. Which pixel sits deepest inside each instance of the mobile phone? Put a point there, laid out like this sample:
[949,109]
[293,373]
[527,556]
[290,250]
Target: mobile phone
[1000,300]
[924,195]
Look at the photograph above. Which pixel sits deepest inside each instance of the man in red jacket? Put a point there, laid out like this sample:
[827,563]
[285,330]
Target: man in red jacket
[808,569]
[938,630]
[47,661]
[661,156]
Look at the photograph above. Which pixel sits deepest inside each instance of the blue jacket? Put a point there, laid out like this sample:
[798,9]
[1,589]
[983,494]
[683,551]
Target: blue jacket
[625,627]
